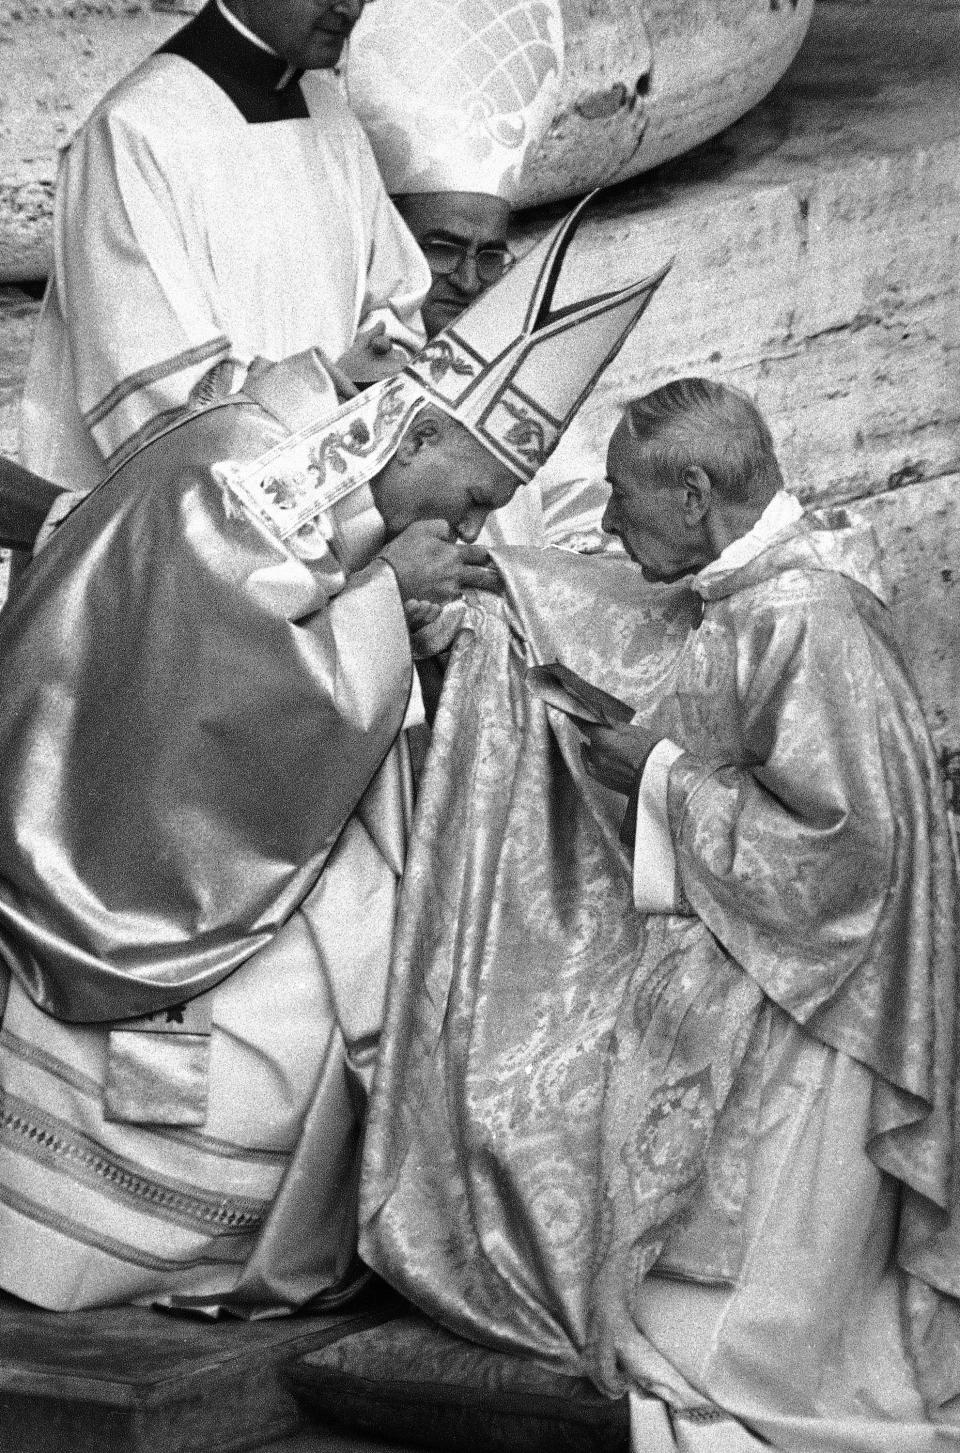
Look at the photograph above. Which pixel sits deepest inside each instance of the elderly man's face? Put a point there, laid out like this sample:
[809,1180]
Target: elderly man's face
[310,34]
[463,236]
[645,512]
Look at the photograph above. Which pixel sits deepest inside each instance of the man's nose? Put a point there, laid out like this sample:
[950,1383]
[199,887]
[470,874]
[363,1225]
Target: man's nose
[466,274]
[348,9]
[471,525]
[608,519]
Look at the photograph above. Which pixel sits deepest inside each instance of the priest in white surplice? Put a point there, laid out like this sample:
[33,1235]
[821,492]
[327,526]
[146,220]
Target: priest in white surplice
[218,206]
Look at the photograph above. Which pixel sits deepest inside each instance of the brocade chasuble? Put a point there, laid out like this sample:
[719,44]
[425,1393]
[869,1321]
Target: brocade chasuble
[572,1094]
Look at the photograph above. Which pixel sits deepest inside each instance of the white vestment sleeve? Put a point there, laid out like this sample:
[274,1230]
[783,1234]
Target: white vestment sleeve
[142,330]
[397,273]
[654,861]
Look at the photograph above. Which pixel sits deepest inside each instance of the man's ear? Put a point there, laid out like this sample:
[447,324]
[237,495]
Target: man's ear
[420,433]
[697,494]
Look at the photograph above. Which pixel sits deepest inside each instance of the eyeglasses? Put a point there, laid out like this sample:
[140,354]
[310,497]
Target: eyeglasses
[445,256]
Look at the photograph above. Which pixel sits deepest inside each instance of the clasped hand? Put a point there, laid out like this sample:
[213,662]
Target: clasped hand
[614,756]
[431,564]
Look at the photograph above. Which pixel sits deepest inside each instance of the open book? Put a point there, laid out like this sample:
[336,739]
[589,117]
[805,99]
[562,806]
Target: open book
[561,687]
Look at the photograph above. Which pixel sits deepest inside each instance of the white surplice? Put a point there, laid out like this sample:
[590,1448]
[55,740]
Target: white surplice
[185,237]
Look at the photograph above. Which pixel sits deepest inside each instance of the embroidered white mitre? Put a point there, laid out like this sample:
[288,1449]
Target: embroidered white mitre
[455,94]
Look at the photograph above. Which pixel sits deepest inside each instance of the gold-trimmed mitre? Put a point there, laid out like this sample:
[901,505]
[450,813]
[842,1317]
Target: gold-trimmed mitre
[513,369]
[310,472]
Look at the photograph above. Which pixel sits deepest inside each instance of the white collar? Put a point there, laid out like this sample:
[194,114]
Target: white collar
[782,511]
[244,30]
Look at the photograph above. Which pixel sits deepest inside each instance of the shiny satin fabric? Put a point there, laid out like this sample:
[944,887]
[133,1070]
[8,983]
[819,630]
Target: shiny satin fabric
[569,1092]
[190,714]
[254,1208]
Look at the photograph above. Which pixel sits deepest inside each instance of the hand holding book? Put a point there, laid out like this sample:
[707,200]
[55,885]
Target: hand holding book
[616,748]
[565,690]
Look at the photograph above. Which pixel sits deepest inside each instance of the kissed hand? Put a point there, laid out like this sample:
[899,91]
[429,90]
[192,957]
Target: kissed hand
[614,755]
[431,564]
[420,613]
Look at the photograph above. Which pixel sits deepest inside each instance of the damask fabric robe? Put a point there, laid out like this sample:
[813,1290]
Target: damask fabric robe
[203,815]
[704,1154]
[187,240]
[547,511]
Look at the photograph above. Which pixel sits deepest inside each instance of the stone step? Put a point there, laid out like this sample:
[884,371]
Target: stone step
[133,1380]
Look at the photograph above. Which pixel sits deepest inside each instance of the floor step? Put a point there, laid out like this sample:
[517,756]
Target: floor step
[134,1380]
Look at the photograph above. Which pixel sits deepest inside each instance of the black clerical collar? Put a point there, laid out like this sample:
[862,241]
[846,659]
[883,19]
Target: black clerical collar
[259,84]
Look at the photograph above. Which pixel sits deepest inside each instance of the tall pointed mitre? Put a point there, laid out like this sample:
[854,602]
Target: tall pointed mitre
[513,370]
[455,94]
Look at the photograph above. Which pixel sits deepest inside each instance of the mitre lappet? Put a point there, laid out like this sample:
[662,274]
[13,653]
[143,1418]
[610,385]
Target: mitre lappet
[455,95]
[513,370]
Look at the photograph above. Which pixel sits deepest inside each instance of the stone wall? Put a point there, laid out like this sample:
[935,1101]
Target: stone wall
[57,58]
[817,248]
[644,80]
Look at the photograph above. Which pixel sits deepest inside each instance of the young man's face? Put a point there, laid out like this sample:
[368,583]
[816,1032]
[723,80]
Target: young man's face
[449,476]
[645,512]
[463,236]
[310,34]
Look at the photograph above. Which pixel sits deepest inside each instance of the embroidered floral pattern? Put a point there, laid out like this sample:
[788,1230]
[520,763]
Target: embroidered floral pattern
[526,437]
[454,95]
[439,358]
[297,482]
